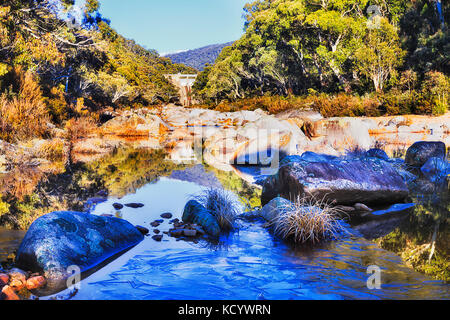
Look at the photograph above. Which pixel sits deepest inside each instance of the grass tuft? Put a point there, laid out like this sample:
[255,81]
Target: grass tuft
[307,220]
[221,205]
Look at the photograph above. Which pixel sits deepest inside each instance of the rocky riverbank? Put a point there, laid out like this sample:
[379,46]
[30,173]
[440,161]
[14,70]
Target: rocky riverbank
[227,137]
[316,158]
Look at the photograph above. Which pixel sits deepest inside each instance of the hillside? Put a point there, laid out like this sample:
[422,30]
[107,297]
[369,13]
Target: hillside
[397,58]
[198,58]
[59,69]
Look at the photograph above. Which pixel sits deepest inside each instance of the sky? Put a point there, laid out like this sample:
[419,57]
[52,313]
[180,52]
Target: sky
[176,25]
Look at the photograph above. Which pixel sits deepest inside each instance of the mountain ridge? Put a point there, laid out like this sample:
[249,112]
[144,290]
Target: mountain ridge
[198,58]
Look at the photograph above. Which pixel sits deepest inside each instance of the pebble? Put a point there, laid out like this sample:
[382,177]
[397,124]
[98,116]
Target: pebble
[36,283]
[143,230]
[134,205]
[176,232]
[189,233]
[157,238]
[156,231]
[118,206]
[9,294]
[17,278]
[362,207]
[106,215]
[175,221]
[167,215]
[155,224]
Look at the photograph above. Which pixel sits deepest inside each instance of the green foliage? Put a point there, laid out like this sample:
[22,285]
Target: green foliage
[4,208]
[302,46]
[92,62]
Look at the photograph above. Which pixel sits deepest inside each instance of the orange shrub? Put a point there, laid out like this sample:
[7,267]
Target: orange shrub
[24,116]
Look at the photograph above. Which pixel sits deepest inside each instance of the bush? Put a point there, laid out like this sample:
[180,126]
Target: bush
[52,149]
[24,116]
[344,105]
[78,128]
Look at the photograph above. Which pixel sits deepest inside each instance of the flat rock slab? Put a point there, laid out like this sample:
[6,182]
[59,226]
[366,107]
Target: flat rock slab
[59,240]
[340,182]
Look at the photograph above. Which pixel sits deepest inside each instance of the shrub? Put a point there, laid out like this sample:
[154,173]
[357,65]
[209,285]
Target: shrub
[344,105]
[57,105]
[78,128]
[307,221]
[4,208]
[52,149]
[24,116]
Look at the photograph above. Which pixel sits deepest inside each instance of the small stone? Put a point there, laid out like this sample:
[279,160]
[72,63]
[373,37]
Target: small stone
[4,279]
[362,207]
[36,283]
[189,233]
[345,209]
[134,205]
[167,215]
[176,233]
[17,279]
[107,215]
[9,294]
[157,238]
[143,230]
[118,206]
[175,220]
[159,221]
[156,231]
[155,224]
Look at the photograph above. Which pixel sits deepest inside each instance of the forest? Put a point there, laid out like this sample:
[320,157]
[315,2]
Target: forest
[348,58]
[54,68]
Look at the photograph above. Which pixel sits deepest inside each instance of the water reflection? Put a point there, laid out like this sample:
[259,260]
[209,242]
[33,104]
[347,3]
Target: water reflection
[251,264]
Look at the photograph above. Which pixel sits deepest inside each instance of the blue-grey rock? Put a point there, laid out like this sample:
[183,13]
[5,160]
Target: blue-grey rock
[275,207]
[194,212]
[58,240]
[377,153]
[420,152]
[435,167]
[340,182]
[317,157]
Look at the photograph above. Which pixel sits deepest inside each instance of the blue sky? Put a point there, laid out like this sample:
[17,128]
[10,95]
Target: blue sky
[174,25]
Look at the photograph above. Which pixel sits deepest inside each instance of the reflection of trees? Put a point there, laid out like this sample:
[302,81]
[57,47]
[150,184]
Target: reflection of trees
[423,238]
[127,170]
[29,194]
[248,195]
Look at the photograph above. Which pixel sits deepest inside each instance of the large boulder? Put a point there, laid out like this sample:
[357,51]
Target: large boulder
[420,152]
[195,212]
[340,181]
[60,240]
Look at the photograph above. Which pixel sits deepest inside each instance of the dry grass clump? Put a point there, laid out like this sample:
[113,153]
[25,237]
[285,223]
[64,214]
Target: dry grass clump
[306,221]
[221,205]
[23,116]
[78,128]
